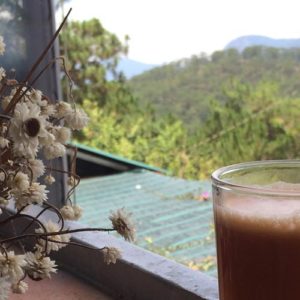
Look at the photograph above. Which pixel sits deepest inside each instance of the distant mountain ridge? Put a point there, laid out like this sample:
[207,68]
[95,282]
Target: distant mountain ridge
[131,68]
[244,42]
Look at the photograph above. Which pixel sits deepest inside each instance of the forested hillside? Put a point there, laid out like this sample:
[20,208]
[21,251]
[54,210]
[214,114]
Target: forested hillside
[228,108]
[186,87]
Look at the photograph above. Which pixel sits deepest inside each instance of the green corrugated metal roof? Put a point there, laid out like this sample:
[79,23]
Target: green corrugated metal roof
[169,219]
[118,158]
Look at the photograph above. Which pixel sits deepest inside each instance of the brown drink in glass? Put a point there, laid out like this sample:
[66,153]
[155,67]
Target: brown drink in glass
[257,222]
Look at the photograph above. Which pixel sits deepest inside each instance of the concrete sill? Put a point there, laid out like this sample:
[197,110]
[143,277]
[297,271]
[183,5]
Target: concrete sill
[140,274]
[62,286]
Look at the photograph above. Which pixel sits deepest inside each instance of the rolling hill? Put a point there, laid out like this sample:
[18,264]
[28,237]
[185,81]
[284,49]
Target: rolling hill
[186,87]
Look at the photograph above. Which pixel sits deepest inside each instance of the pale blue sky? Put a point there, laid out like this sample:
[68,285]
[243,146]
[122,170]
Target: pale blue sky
[165,30]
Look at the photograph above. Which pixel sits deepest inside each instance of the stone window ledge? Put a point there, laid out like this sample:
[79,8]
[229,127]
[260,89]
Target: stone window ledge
[61,286]
[140,274]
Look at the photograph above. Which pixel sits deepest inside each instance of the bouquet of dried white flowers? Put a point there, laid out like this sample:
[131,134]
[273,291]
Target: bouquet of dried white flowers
[31,123]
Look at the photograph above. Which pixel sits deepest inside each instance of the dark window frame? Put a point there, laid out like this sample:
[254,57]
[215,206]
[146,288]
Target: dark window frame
[38,18]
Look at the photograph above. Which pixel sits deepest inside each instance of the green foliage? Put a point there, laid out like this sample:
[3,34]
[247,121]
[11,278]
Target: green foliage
[186,87]
[234,112]
[252,124]
[138,136]
[118,124]
[93,53]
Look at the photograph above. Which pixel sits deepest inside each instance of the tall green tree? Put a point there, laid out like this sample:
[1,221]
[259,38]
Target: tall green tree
[118,123]
[93,53]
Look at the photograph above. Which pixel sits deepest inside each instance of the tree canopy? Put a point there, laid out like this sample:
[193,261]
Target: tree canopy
[227,108]
[186,87]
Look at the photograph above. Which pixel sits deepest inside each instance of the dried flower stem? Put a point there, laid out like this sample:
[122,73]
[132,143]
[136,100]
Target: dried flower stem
[77,178]
[62,59]
[46,234]
[76,244]
[49,206]
[31,123]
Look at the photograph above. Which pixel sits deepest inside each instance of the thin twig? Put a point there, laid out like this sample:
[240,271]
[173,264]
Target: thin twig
[49,206]
[77,244]
[46,234]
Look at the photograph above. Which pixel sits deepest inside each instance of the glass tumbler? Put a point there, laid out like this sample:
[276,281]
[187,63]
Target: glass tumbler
[257,224]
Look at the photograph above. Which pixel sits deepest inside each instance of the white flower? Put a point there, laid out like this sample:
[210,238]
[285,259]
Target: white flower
[2,73]
[26,126]
[20,182]
[61,239]
[62,109]
[26,93]
[62,134]
[111,255]
[69,212]
[38,193]
[72,181]
[77,212]
[19,287]
[47,139]
[12,265]
[37,167]
[76,119]
[54,150]
[4,287]
[35,194]
[38,266]
[2,46]
[36,97]
[123,224]
[48,110]
[3,142]
[49,179]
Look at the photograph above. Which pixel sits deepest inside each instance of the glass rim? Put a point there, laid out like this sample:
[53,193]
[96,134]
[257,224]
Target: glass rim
[250,189]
